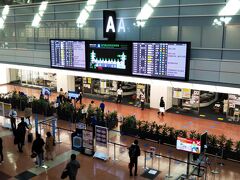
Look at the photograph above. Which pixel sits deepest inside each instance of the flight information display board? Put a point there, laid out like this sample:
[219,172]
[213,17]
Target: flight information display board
[68,54]
[160,60]
[109,57]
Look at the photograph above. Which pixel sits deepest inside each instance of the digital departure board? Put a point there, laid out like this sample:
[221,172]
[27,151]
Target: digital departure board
[68,54]
[160,60]
[109,57]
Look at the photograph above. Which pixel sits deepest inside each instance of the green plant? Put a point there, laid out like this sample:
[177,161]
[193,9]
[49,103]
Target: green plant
[164,132]
[237,148]
[158,129]
[221,141]
[99,114]
[145,127]
[113,115]
[212,140]
[130,122]
[229,145]
[192,134]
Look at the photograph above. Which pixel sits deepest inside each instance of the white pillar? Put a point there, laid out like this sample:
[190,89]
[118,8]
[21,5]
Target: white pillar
[157,91]
[5,74]
[66,82]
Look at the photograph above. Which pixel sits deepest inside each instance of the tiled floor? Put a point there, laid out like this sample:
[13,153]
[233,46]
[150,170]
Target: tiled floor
[16,163]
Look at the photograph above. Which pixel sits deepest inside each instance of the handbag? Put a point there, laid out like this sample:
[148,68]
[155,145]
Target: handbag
[33,155]
[130,165]
[64,174]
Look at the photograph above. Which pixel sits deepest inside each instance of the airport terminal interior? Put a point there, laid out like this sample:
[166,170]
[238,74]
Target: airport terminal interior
[120,89]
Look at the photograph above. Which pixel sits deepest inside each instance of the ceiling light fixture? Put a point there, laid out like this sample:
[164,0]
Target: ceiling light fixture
[146,12]
[38,16]
[85,13]
[5,12]
[230,9]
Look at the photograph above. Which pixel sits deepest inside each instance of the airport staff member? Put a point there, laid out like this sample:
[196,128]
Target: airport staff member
[119,95]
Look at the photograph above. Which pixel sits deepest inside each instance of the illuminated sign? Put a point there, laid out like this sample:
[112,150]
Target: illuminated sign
[109,25]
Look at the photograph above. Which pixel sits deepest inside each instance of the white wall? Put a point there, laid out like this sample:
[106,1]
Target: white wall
[4,75]
[157,91]
[66,82]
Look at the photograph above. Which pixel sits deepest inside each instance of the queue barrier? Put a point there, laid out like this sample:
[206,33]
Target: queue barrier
[144,158]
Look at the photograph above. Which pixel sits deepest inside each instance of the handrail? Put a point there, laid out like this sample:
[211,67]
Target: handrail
[168,157]
[43,123]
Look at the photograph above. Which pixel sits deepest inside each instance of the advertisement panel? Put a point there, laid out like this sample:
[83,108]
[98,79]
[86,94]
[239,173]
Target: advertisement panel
[189,145]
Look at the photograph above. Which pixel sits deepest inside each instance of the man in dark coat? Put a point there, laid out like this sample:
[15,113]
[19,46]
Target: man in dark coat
[134,152]
[73,167]
[20,134]
[37,148]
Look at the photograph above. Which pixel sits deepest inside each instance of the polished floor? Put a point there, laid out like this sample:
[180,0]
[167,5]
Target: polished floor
[116,167]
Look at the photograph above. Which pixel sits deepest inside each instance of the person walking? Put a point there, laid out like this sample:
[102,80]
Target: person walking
[37,148]
[119,95]
[28,113]
[102,106]
[80,95]
[13,116]
[49,146]
[161,107]
[1,150]
[21,133]
[72,167]
[142,100]
[134,152]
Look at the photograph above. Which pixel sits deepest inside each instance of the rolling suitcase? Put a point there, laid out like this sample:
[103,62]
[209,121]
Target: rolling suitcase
[30,137]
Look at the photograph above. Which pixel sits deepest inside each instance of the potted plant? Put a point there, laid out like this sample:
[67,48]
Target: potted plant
[237,150]
[228,153]
[212,144]
[111,119]
[164,134]
[129,126]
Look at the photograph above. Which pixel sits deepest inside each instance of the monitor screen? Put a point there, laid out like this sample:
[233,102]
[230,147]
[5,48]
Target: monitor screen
[73,94]
[68,54]
[189,145]
[166,60]
[109,57]
[46,91]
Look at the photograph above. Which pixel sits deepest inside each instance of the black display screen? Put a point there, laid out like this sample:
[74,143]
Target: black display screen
[69,54]
[167,60]
[109,57]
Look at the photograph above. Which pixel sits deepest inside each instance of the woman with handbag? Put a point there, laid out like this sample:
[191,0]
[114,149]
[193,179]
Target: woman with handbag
[162,107]
[49,146]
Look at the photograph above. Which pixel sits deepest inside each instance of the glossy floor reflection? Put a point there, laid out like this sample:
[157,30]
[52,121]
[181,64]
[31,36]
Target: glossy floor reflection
[16,163]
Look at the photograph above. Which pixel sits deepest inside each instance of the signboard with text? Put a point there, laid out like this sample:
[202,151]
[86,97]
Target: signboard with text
[101,134]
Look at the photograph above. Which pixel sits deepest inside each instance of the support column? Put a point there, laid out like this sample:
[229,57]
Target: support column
[66,82]
[5,75]
[157,91]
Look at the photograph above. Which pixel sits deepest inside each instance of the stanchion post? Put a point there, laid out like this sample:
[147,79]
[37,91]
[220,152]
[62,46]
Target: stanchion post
[114,153]
[215,171]
[145,160]
[168,176]
[59,140]
[40,127]
[206,173]
[221,163]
